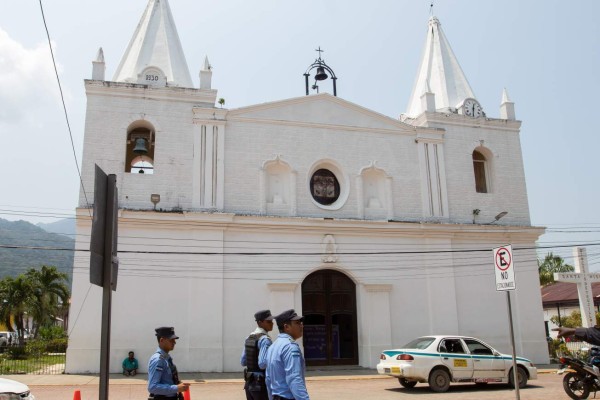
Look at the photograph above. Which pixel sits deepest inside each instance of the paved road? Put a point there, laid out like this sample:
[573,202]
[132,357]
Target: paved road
[547,387]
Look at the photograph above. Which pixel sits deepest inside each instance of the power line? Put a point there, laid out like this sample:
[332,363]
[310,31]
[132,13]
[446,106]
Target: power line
[291,253]
[62,97]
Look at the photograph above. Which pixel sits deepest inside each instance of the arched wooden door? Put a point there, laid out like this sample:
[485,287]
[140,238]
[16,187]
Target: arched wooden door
[329,309]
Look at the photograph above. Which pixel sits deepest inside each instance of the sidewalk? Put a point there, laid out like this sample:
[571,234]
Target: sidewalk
[312,374]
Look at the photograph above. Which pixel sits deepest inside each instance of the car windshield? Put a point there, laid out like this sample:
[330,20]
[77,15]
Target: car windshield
[420,343]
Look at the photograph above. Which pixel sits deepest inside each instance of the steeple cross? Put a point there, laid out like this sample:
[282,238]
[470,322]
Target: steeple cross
[320,51]
[584,280]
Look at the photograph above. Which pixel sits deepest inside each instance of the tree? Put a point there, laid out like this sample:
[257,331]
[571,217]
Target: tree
[572,320]
[49,294]
[222,102]
[38,294]
[549,266]
[16,294]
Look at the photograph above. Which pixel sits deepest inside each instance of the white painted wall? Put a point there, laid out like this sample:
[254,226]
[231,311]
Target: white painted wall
[210,299]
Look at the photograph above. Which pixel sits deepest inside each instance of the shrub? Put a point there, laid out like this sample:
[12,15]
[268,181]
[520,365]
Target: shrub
[17,352]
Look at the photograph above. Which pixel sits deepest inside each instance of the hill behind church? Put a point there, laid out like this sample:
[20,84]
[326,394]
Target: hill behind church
[24,234]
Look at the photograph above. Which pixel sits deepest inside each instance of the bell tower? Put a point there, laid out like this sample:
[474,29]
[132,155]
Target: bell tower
[151,126]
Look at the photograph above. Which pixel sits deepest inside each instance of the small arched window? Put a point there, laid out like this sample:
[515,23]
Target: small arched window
[139,156]
[480,168]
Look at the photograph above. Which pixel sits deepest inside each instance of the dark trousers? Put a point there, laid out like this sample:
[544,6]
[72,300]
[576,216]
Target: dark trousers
[256,389]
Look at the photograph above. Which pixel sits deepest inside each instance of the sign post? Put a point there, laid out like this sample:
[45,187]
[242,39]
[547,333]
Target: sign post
[505,281]
[104,264]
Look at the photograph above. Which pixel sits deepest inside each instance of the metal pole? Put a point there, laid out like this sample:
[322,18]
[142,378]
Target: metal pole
[512,342]
[109,230]
[306,82]
[334,87]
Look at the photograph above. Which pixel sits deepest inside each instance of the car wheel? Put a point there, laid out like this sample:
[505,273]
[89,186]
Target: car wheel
[521,375]
[439,380]
[406,383]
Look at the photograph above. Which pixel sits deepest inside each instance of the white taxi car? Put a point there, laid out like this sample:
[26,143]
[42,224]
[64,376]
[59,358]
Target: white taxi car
[439,360]
[13,390]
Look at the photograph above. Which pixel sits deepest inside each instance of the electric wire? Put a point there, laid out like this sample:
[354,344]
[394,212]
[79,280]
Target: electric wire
[62,97]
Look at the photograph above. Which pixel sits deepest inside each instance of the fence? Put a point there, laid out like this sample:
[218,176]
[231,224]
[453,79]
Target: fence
[16,360]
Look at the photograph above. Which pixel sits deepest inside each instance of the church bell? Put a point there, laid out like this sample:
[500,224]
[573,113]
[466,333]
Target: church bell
[321,74]
[140,146]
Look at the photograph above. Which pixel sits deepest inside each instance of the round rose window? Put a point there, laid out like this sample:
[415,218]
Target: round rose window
[324,187]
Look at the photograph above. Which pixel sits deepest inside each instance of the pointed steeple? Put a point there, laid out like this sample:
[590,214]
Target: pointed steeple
[98,66]
[440,72]
[155,50]
[206,75]
[507,107]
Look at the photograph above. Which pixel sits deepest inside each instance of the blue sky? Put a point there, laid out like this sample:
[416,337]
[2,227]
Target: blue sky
[547,55]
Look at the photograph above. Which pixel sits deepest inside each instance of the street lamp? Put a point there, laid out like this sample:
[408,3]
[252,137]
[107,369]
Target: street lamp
[497,217]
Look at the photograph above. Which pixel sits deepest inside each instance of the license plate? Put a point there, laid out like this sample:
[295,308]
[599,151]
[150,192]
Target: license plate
[460,363]
[395,370]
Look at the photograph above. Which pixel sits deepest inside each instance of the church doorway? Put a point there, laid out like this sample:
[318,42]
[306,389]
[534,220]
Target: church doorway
[329,309]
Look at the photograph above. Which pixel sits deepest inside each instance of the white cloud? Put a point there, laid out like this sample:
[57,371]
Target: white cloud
[27,80]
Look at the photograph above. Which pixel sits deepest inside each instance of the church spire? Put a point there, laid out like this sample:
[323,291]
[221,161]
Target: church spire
[441,71]
[155,50]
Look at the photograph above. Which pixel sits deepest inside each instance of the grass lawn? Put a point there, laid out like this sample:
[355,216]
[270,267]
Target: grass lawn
[45,364]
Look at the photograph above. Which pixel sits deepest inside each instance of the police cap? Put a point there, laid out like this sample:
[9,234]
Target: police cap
[166,332]
[263,315]
[288,315]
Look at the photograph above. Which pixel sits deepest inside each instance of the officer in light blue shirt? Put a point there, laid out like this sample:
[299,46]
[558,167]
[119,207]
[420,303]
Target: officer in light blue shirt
[163,379]
[285,363]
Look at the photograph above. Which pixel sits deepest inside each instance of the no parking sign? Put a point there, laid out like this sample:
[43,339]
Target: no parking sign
[504,267]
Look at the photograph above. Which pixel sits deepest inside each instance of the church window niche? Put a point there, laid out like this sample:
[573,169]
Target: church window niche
[327,185]
[139,156]
[374,188]
[278,188]
[481,171]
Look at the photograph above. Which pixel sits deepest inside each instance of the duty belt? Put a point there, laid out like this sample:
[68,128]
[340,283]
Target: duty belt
[276,397]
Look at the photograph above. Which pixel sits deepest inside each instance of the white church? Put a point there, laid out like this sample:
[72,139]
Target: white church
[376,229]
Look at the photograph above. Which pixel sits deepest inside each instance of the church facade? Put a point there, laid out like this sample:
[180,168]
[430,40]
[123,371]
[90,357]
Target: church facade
[376,229]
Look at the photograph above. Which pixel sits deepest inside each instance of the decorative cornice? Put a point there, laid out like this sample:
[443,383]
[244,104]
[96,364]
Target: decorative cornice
[462,120]
[218,220]
[136,90]
[314,125]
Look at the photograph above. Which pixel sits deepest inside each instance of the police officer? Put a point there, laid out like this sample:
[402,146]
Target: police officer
[254,357]
[163,380]
[285,363]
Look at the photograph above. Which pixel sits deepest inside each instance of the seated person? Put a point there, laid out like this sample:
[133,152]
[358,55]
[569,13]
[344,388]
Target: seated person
[130,365]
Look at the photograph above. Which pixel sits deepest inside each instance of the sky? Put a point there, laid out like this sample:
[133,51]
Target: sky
[546,54]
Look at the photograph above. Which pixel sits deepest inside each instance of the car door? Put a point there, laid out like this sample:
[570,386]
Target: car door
[487,364]
[456,358]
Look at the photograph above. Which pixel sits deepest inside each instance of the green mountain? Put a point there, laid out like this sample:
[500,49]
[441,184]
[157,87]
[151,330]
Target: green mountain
[15,261]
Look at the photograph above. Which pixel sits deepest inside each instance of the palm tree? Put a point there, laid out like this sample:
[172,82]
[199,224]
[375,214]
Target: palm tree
[50,293]
[549,266]
[16,294]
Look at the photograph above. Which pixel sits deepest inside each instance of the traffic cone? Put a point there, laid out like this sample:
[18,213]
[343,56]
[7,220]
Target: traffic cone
[77,395]
[187,395]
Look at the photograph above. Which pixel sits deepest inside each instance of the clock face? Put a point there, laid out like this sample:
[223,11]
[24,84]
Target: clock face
[472,108]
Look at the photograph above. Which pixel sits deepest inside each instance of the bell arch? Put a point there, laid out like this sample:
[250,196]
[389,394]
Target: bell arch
[139,149]
[330,318]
